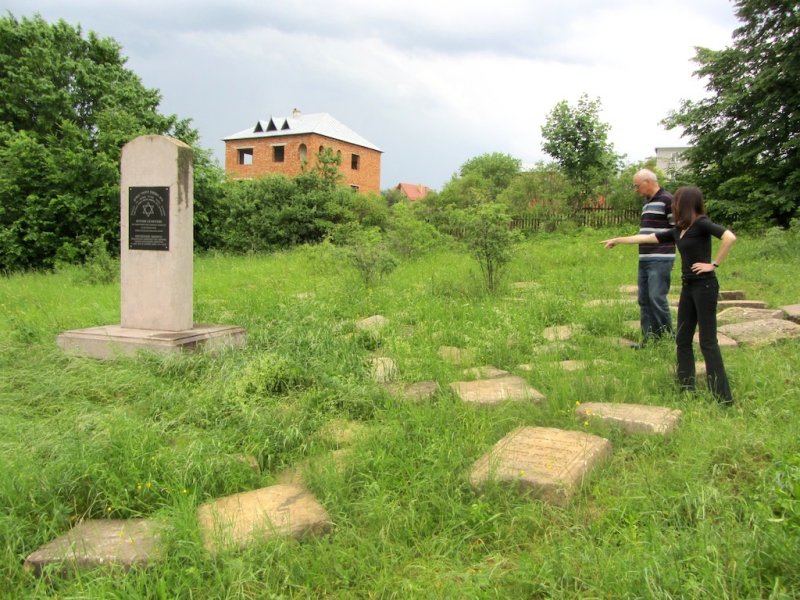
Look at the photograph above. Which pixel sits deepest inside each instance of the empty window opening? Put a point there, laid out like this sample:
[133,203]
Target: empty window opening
[245,156]
[277,153]
[355,159]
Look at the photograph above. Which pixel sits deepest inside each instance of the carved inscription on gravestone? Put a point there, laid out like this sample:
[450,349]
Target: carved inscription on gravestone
[148,218]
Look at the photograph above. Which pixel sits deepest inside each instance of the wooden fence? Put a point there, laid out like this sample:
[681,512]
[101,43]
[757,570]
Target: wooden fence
[585,217]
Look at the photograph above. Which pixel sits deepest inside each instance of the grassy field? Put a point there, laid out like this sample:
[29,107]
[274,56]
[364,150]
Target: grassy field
[712,511]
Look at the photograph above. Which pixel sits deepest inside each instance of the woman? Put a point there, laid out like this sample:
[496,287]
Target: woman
[700,291]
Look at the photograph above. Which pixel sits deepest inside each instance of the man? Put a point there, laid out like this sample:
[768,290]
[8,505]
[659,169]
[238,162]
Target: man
[655,260]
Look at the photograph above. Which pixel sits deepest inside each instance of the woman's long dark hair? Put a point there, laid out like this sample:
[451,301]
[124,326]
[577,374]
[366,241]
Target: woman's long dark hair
[687,205]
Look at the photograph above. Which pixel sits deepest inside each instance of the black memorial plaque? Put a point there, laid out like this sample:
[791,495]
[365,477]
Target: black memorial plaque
[148,218]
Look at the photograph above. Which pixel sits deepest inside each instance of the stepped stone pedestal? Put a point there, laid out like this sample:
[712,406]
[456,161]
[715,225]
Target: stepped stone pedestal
[287,510]
[549,463]
[105,543]
[631,418]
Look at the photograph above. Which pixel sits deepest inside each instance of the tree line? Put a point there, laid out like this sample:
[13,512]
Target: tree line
[69,104]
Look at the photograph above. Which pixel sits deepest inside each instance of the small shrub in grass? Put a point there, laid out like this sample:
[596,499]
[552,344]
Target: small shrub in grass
[368,251]
[489,239]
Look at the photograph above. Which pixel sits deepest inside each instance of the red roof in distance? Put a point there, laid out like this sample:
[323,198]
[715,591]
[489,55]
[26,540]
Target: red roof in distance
[413,191]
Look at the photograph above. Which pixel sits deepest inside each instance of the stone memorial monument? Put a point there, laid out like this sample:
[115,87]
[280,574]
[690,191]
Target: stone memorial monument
[156,260]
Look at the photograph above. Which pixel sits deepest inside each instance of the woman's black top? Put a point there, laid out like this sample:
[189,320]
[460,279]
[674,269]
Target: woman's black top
[694,246]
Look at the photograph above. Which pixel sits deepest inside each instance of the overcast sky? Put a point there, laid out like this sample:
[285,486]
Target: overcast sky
[432,83]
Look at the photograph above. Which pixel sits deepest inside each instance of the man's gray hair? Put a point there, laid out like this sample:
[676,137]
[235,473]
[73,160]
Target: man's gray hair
[646,175]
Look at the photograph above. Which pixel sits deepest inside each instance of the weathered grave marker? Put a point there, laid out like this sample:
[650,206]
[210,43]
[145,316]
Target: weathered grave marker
[495,391]
[765,331]
[550,463]
[278,510]
[631,418]
[101,543]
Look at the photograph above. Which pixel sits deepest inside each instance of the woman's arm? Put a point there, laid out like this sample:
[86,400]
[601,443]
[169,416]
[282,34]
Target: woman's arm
[728,238]
[641,238]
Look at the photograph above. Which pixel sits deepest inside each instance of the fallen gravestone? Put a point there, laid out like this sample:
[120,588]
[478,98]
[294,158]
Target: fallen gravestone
[580,365]
[495,391]
[456,356]
[383,369]
[560,333]
[723,340]
[280,510]
[373,324]
[609,302]
[792,312]
[629,289]
[100,543]
[550,463]
[485,372]
[731,295]
[723,304]
[739,314]
[421,390]
[765,331]
[631,418]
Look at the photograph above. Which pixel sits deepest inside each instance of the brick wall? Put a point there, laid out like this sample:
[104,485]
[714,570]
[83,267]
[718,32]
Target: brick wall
[367,176]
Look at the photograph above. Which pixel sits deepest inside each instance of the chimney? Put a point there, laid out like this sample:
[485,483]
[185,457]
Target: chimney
[295,112]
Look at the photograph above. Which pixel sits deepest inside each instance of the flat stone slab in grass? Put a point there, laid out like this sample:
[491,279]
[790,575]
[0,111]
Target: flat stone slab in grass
[485,372]
[621,342]
[305,296]
[631,418]
[739,314]
[629,289]
[121,543]
[525,285]
[761,332]
[495,391]
[421,390]
[550,463]
[382,369]
[792,312]
[283,510]
[341,432]
[731,295]
[560,333]
[580,365]
[723,340]
[297,474]
[373,323]
[723,304]
[456,356]
[610,302]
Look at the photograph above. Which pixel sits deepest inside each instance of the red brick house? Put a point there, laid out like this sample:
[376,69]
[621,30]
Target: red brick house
[284,144]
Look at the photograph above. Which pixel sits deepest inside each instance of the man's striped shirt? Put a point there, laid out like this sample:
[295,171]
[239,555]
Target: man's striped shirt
[657,217]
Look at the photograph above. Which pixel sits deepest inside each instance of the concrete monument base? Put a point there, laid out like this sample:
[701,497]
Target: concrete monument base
[111,341]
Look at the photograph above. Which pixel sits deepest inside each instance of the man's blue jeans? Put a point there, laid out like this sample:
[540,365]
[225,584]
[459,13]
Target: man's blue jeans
[654,314]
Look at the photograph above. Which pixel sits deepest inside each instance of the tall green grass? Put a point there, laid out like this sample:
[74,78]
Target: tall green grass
[712,511]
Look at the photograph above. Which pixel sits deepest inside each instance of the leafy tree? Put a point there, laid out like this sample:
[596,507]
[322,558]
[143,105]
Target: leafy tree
[577,140]
[497,169]
[68,106]
[543,188]
[746,134]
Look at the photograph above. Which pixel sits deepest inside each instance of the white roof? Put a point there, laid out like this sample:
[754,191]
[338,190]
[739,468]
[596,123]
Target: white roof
[319,123]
